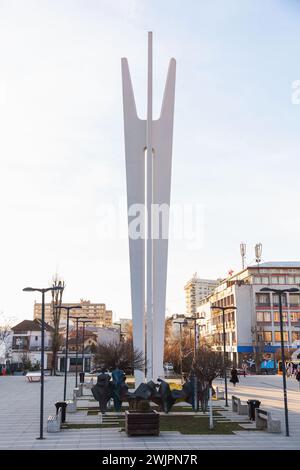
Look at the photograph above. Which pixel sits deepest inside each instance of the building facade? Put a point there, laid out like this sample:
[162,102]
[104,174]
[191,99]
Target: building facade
[253,326]
[96,312]
[195,290]
[26,342]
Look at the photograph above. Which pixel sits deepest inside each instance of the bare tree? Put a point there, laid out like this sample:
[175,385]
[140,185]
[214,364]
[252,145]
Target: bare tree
[208,365]
[172,350]
[5,336]
[121,355]
[56,314]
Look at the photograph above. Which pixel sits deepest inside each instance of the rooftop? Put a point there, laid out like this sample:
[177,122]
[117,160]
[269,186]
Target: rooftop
[31,325]
[277,264]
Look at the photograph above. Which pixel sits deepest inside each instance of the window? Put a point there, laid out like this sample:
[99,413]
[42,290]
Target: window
[297,279]
[295,316]
[276,299]
[233,337]
[267,316]
[265,280]
[260,316]
[274,280]
[277,317]
[294,299]
[36,338]
[278,336]
[257,280]
[263,299]
[290,280]
[263,316]
[295,335]
[267,335]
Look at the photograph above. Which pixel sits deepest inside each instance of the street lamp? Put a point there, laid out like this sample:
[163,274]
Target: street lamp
[223,309]
[83,325]
[180,323]
[279,292]
[77,320]
[43,291]
[121,333]
[67,308]
[194,319]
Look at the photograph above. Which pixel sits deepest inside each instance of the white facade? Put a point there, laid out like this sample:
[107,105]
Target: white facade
[195,290]
[29,343]
[255,321]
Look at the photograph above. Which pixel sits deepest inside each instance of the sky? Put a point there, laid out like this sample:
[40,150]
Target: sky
[235,149]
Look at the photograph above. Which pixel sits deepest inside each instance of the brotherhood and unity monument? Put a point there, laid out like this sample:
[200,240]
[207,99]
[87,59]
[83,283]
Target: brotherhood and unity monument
[148,150]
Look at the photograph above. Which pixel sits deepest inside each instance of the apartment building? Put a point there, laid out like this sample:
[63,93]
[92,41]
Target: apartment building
[195,290]
[96,312]
[254,322]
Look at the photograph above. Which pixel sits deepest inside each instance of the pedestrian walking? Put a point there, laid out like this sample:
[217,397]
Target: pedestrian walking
[234,376]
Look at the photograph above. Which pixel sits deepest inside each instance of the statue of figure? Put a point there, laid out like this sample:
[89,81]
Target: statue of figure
[167,400]
[117,385]
[101,391]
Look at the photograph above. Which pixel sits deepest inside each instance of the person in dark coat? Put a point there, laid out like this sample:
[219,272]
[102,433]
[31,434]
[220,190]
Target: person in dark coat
[234,376]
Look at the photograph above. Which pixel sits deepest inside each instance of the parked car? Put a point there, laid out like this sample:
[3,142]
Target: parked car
[168,366]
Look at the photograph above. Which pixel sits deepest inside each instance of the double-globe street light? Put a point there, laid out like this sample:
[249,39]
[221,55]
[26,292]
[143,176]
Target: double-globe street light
[280,292]
[43,291]
[224,309]
[67,308]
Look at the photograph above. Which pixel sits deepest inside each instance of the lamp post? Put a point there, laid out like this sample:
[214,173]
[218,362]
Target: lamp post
[223,309]
[67,308]
[194,319]
[43,291]
[279,292]
[77,320]
[120,328]
[83,326]
[180,323]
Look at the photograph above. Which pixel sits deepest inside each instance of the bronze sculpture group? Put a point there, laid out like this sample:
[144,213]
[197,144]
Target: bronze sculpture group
[115,387]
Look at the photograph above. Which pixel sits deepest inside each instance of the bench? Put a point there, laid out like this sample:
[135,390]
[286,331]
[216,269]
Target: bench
[54,422]
[263,420]
[238,407]
[33,376]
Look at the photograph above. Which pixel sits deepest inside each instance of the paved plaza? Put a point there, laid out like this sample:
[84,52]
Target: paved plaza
[19,420]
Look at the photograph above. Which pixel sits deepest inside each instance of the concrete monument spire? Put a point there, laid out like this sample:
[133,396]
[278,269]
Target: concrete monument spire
[148,150]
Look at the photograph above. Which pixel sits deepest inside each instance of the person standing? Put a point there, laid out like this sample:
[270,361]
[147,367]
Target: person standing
[298,376]
[234,376]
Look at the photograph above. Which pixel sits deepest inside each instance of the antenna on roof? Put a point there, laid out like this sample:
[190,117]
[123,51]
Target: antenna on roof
[243,253]
[258,253]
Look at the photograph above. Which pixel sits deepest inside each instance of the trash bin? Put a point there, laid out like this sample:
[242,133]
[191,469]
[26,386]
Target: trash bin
[63,406]
[81,377]
[252,404]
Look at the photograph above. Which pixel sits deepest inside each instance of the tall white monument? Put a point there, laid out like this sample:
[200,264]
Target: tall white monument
[148,150]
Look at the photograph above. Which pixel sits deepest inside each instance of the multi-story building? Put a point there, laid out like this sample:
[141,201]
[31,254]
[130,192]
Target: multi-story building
[92,337]
[195,290]
[26,342]
[253,325]
[97,313]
